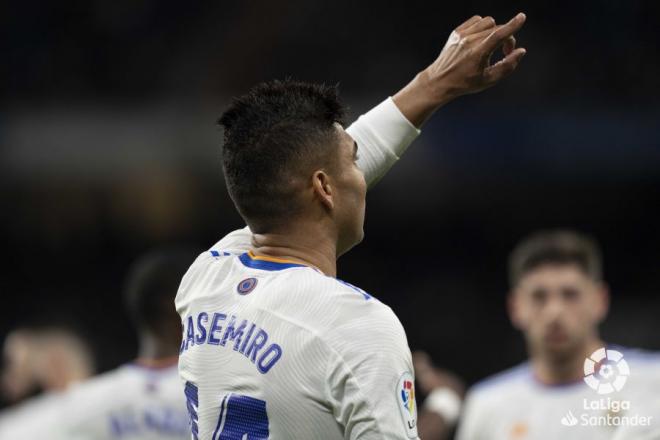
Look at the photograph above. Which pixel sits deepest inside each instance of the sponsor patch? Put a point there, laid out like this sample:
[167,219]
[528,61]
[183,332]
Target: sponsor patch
[405,397]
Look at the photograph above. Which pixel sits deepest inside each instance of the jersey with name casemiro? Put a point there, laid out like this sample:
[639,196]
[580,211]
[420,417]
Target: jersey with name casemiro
[273,349]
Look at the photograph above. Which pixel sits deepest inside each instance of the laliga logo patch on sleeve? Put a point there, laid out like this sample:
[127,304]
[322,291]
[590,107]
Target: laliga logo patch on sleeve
[405,397]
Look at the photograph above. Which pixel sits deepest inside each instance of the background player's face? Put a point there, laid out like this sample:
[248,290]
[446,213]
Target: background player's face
[558,308]
[351,191]
[18,377]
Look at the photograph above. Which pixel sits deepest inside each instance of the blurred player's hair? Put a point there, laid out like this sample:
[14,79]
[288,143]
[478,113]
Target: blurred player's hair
[558,247]
[273,135]
[151,287]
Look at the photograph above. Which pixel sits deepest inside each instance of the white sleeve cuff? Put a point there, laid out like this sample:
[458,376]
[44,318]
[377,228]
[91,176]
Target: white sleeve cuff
[444,402]
[383,134]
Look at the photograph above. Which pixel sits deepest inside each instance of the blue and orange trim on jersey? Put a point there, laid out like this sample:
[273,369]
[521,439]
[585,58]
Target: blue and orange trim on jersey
[267,263]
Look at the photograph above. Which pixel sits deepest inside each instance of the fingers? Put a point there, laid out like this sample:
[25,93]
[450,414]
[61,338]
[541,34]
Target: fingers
[479,36]
[480,25]
[497,38]
[509,45]
[467,23]
[504,67]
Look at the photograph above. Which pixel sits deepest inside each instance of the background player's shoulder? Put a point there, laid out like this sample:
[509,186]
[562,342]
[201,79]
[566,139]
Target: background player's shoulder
[97,389]
[507,380]
[644,365]
[638,355]
[117,387]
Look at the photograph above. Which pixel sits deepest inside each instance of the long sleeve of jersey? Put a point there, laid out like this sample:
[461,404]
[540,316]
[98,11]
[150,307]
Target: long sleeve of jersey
[383,134]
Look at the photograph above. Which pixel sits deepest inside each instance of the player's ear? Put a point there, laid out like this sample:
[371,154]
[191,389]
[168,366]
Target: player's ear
[323,188]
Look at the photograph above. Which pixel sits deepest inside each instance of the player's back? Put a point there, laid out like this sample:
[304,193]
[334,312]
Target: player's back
[275,349]
[133,402]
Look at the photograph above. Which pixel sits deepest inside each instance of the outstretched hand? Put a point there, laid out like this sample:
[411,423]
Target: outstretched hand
[464,66]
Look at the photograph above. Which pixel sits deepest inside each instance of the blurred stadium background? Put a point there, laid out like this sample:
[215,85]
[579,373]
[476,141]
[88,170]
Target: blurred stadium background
[109,147]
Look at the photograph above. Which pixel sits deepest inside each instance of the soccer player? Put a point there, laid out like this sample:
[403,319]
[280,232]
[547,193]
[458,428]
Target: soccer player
[41,363]
[575,385]
[143,399]
[274,345]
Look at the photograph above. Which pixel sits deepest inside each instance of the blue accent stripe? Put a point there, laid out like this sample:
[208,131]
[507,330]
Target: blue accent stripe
[219,253]
[266,265]
[357,289]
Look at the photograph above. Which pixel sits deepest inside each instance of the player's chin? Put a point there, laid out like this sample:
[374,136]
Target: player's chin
[559,346]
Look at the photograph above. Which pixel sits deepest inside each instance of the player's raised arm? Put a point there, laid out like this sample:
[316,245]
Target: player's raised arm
[464,66]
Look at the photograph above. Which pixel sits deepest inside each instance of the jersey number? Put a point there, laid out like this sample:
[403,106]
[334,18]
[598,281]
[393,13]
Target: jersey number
[241,417]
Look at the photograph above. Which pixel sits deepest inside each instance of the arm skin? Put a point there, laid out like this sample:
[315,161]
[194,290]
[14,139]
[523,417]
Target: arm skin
[463,67]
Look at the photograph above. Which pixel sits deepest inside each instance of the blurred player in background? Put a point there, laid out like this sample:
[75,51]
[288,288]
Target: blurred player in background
[144,399]
[274,345]
[41,362]
[558,299]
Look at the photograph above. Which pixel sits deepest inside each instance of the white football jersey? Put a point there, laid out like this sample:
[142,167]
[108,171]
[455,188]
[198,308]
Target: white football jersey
[276,350]
[133,402]
[37,418]
[513,405]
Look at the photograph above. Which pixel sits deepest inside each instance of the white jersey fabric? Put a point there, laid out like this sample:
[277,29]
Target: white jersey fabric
[133,402]
[276,350]
[513,405]
[37,418]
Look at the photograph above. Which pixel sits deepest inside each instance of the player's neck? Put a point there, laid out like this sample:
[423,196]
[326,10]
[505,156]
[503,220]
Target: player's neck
[304,244]
[552,370]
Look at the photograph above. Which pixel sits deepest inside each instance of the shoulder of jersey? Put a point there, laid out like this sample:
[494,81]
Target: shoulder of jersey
[503,381]
[302,293]
[300,272]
